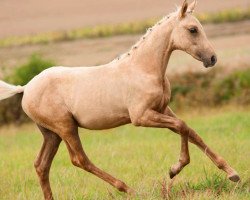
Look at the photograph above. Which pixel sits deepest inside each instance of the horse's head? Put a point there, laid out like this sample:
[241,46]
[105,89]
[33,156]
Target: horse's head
[189,36]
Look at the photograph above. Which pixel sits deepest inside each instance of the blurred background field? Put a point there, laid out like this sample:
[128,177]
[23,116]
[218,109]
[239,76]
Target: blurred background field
[37,35]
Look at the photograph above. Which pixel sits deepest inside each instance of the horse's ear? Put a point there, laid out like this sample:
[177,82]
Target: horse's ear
[192,6]
[183,9]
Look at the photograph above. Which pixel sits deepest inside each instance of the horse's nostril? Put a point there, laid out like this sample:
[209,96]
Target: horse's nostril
[213,60]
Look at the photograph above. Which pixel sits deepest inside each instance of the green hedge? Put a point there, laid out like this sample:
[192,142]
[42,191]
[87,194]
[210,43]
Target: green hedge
[214,88]
[10,109]
[24,73]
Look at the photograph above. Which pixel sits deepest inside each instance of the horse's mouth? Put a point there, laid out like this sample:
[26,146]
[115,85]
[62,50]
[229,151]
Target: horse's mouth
[207,65]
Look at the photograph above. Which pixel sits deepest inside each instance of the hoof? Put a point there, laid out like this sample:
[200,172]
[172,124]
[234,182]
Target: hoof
[234,178]
[171,173]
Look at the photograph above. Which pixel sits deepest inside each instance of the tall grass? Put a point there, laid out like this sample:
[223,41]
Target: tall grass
[118,29]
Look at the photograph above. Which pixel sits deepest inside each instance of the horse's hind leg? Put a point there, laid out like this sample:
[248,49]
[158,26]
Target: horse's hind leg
[80,159]
[44,159]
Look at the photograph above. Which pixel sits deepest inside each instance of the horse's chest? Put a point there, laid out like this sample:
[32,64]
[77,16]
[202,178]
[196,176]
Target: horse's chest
[162,103]
[164,97]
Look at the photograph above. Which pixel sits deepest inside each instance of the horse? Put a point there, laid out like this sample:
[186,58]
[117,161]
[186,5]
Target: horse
[132,88]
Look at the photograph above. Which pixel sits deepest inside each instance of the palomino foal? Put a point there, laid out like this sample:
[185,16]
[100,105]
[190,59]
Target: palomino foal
[131,89]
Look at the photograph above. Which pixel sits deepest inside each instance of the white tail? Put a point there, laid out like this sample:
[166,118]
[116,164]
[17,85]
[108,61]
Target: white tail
[8,90]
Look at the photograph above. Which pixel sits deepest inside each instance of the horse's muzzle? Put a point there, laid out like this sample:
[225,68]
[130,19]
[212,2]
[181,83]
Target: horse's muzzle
[210,62]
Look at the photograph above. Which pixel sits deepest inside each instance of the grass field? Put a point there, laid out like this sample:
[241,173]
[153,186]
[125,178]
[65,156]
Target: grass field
[140,157]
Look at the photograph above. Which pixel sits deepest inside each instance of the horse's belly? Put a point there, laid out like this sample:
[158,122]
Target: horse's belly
[94,115]
[102,121]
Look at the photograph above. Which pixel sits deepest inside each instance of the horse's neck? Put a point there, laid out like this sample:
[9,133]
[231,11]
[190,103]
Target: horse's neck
[153,54]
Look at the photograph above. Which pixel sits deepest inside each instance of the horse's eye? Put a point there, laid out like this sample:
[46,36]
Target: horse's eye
[193,30]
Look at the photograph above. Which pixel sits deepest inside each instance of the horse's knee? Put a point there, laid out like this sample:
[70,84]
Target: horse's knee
[75,161]
[41,170]
[36,164]
[81,163]
[180,126]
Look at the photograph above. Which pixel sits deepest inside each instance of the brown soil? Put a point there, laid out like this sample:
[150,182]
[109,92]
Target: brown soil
[29,16]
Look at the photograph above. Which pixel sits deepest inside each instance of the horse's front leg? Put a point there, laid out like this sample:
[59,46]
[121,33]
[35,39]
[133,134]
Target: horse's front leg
[217,160]
[183,160]
[168,120]
[152,118]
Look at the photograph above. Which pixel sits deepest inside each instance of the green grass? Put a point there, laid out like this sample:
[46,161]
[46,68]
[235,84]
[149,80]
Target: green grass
[140,157]
[118,29]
